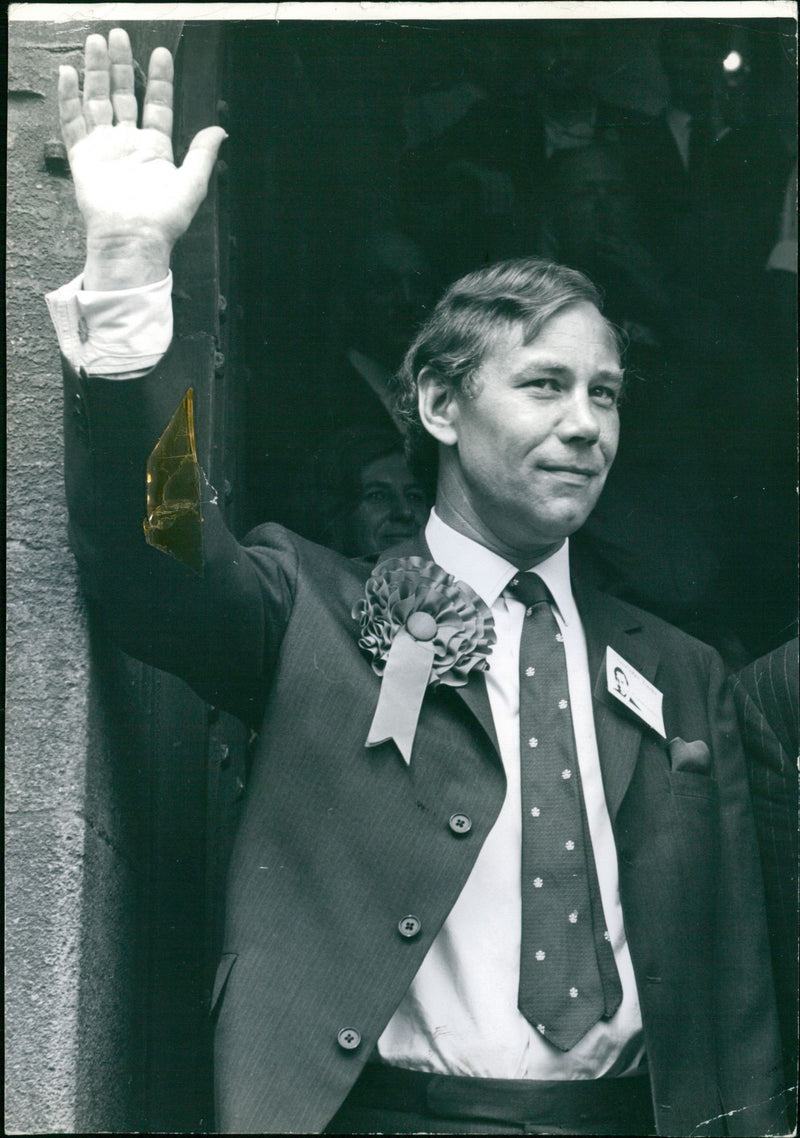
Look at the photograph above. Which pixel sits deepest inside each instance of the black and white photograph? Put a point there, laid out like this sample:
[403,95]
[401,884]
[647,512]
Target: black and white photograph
[401,578]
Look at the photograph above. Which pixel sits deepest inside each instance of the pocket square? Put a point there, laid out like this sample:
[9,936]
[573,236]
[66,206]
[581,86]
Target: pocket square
[689,756]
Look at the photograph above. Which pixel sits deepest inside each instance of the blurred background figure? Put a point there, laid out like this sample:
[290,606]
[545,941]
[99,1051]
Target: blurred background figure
[712,175]
[567,60]
[593,221]
[377,289]
[358,495]
[476,148]
[380,291]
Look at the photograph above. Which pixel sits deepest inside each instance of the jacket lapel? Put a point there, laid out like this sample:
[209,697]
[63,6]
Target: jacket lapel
[607,621]
[473,693]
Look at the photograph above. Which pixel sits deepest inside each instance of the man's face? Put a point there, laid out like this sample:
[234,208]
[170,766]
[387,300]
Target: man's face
[392,506]
[536,438]
[622,681]
[594,199]
[394,290]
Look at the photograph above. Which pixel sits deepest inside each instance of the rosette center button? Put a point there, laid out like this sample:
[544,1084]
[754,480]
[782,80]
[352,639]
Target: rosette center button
[421,625]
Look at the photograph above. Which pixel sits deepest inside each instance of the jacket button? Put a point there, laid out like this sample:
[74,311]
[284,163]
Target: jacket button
[460,823]
[77,406]
[409,926]
[348,1038]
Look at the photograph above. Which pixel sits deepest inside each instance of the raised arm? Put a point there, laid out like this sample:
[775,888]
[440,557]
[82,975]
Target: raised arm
[217,624]
[135,201]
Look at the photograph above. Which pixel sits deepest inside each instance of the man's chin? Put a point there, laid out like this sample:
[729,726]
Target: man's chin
[396,537]
[550,537]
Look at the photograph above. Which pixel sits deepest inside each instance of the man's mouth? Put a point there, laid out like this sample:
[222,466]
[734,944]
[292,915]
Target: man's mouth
[573,470]
[400,533]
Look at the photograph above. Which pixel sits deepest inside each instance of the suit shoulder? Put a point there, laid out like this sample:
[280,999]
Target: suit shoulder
[668,635]
[768,688]
[274,539]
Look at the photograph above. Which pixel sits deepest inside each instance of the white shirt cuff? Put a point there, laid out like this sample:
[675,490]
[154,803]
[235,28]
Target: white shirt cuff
[118,334]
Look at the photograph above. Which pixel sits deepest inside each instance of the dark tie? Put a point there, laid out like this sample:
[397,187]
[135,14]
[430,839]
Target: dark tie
[568,978]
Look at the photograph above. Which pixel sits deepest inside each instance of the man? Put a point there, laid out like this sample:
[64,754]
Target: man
[712,186]
[621,683]
[476,153]
[359,496]
[397,955]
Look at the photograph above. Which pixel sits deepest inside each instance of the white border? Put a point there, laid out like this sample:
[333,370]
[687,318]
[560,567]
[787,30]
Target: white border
[402,10]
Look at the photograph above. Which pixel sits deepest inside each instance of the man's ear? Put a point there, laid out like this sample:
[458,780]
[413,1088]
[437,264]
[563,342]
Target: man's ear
[438,406]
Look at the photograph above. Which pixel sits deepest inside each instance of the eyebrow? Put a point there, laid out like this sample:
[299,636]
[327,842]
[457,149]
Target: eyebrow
[553,368]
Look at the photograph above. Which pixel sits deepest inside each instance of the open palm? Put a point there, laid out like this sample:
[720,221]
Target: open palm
[126,183]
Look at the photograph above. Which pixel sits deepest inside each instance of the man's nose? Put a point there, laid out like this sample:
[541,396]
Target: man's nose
[579,421]
[400,507]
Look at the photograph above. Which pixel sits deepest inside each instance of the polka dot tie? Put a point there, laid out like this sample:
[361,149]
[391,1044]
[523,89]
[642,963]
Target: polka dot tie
[568,978]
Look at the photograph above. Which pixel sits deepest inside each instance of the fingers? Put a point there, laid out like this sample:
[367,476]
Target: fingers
[157,114]
[70,110]
[108,88]
[97,109]
[123,98]
[199,162]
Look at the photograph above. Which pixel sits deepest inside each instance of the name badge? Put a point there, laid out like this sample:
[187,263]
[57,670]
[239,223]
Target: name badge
[634,691]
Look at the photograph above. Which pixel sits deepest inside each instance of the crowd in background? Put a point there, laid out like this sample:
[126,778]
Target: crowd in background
[507,144]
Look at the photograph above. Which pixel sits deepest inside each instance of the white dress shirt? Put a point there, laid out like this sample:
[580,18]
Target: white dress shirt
[460,1015]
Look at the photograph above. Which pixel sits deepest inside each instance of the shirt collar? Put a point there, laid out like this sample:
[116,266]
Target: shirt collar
[487,573]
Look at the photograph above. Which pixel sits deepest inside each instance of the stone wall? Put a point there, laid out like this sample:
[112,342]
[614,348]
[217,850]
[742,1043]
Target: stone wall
[75,870]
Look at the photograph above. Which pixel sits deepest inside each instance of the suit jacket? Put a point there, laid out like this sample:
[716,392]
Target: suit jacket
[337,843]
[766,697]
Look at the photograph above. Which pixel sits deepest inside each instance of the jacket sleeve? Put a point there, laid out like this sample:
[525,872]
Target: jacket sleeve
[750,1068]
[219,629]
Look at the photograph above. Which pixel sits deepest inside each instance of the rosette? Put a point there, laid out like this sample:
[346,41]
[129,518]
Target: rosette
[421,627]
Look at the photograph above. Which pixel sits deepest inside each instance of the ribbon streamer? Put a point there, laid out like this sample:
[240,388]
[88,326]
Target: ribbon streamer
[405,678]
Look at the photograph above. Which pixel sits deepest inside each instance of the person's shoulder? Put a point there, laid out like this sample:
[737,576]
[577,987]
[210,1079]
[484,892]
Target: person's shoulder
[781,662]
[771,682]
[273,538]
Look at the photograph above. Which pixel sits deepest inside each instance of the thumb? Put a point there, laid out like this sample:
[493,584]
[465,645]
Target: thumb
[199,161]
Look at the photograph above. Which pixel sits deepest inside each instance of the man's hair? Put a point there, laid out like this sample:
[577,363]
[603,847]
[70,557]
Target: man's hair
[463,326]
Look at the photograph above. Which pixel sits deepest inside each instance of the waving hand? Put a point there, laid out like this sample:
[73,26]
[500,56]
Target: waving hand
[135,201]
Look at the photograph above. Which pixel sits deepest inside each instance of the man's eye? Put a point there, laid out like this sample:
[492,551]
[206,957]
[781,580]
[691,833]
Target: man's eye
[548,384]
[608,396]
[416,496]
[376,496]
